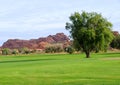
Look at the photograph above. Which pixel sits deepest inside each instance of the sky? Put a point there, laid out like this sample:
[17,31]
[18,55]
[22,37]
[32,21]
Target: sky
[28,19]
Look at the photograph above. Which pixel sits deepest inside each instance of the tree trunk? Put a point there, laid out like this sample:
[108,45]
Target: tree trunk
[87,54]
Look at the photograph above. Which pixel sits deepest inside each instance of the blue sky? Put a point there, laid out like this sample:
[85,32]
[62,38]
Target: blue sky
[27,19]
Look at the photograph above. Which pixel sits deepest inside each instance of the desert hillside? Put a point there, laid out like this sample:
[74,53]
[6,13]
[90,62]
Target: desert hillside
[39,43]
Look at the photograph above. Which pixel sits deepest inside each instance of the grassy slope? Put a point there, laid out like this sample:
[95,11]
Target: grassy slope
[63,69]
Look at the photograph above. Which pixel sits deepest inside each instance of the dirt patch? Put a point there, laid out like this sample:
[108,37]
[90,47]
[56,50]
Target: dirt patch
[116,58]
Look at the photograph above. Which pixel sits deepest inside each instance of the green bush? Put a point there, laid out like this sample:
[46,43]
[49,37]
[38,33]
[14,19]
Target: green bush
[69,50]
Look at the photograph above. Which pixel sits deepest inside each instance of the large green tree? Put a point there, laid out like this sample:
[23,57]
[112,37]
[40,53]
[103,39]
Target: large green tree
[90,31]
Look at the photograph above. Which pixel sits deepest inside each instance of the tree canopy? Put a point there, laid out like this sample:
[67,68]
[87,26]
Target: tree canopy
[90,31]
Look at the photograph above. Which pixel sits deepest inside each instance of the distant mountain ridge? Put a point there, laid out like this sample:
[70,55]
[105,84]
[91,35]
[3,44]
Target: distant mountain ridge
[39,43]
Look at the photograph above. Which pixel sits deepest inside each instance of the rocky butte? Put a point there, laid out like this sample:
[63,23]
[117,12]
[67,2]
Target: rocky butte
[39,43]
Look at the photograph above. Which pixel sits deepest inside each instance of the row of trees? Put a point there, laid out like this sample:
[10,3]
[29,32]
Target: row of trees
[50,49]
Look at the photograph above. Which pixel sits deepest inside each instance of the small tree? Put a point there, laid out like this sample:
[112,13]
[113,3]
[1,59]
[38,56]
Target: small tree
[6,51]
[49,49]
[24,50]
[90,31]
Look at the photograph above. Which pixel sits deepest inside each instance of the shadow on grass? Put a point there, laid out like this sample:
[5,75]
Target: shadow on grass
[14,61]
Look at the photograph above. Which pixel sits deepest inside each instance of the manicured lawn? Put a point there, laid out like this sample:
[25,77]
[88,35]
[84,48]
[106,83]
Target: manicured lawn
[60,69]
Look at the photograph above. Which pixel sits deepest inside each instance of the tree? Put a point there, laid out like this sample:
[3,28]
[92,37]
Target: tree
[116,42]
[90,31]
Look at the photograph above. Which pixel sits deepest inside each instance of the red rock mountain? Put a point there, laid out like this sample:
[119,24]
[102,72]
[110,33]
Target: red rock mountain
[36,43]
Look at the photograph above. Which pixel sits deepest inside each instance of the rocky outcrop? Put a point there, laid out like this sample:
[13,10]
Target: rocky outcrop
[39,43]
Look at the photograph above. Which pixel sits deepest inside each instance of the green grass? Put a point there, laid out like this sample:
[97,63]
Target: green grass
[60,69]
